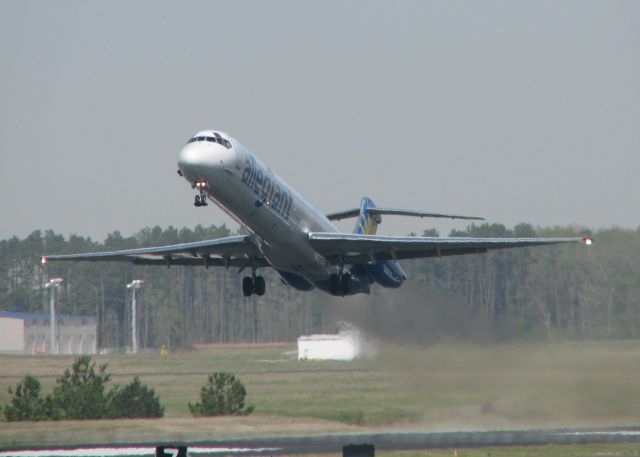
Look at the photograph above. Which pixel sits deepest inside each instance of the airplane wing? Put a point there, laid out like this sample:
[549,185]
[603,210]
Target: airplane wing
[232,251]
[354,248]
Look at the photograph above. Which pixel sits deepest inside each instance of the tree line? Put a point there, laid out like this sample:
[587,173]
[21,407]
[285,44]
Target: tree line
[572,290]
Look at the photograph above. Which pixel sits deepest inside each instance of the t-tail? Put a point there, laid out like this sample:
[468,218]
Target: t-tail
[359,277]
[367,223]
[387,273]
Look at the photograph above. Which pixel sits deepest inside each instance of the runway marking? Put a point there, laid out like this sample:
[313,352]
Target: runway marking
[129,451]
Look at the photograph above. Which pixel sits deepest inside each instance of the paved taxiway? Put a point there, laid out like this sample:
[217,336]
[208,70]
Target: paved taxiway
[333,443]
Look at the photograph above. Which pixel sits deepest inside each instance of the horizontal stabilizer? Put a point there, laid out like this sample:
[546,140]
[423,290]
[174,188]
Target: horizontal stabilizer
[397,212]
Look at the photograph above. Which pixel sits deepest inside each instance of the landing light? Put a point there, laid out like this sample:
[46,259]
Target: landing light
[587,241]
[44,260]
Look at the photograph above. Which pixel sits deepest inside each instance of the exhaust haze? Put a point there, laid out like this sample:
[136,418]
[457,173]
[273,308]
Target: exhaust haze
[452,368]
[413,313]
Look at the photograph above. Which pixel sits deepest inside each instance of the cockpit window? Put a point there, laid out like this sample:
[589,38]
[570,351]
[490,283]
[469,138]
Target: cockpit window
[217,139]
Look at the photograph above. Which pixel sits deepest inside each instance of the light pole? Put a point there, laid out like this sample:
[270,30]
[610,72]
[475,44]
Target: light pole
[133,285]
[52,285]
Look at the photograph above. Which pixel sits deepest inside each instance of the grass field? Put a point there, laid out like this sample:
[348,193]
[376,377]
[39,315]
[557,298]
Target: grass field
[403,388]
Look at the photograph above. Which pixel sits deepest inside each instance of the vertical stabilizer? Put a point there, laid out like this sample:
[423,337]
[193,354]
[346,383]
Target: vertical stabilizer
[367,224]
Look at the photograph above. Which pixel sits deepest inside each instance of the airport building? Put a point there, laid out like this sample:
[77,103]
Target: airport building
[23,333]
[344,346]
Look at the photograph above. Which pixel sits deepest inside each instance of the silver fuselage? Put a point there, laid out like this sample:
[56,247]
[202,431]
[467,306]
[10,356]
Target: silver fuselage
[278,218]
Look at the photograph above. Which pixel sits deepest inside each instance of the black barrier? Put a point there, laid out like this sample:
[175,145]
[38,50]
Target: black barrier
[171,451]
[358,450]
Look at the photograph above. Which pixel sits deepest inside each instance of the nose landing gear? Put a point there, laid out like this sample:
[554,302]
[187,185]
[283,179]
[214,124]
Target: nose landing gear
[201,198]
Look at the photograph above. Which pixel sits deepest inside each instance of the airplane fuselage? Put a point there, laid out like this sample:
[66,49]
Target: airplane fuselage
[278,218]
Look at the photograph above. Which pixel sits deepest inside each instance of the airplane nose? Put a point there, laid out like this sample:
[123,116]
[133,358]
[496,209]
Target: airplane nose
[193,159]
[199,159]
[190,156]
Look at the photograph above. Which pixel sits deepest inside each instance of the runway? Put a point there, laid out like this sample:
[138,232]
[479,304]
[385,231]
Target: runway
[333,443]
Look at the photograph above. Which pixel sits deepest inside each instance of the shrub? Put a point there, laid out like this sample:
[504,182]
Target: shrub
[27,404]
[134,400]
[222,395]
[80,393]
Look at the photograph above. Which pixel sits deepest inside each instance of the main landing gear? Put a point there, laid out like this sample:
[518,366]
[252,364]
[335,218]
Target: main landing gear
[340,284]
[201,198]
[253,285]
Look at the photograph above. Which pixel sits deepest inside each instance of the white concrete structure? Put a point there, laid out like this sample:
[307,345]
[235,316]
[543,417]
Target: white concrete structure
[30,334]
[344,346]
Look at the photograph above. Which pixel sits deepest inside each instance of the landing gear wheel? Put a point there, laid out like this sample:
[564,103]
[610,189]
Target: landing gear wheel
[259,286]
[345,283]
[334,284]
[247,286]
[201,197]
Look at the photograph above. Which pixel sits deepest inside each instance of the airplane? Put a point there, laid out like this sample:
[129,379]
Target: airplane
[288,234]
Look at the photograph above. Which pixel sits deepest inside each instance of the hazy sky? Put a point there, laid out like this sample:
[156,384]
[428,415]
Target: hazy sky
[515,111]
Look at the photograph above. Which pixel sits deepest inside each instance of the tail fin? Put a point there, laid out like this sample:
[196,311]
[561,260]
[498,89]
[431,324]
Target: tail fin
[367,223]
